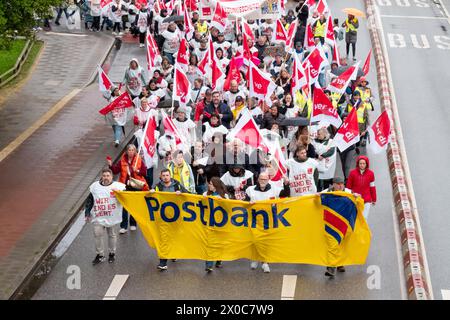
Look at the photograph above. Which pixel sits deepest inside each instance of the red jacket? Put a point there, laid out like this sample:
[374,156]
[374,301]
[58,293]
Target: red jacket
[364,184]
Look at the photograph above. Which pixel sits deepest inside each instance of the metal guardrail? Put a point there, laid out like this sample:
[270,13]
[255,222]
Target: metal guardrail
[14,71]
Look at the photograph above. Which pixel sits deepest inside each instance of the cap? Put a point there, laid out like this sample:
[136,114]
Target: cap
[338,180]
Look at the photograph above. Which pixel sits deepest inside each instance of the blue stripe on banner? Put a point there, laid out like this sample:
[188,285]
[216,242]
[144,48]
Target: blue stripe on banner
[333,233]
[342,205]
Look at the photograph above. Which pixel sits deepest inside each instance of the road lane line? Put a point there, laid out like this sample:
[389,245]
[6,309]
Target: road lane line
[288,288]
[115,287]
[445,294]
[402,150]
[439,3]
[36,125]
[412,17]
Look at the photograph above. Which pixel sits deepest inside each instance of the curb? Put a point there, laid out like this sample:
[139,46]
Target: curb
[418,283]
[101,62]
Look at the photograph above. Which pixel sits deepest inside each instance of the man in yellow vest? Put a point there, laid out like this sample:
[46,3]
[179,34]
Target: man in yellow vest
[181,171]
[362,114]
[319,28]
[202,27]
[366,93]
[351,25]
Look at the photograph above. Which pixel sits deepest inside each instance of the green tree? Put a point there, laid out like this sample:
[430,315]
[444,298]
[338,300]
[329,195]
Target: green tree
[18,17]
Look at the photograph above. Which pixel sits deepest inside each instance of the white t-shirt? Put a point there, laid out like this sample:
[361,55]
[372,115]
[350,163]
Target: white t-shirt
[172,41]
[107,211]
[186,129]
[301,176]
[210,131]
[256,195]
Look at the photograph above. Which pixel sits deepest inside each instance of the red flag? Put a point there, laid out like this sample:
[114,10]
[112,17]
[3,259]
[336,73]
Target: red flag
[348,133]
[169,127]
[340,83]
[379,133]
[182,87]
[104,83]
[148,141]
[366,66]
[291,36]
[279,160]
[192,5]
[261,84]
[122,101]
[248,132]
[280,32]
[233,74]
[219,20]
[309,38]
[323,109]
[316,60]
[217,76]
[248,30]
[322,7]
[152,51]
[183,55]
[103,3]
[140,3]
[299,79]
[188,27]
[329,36]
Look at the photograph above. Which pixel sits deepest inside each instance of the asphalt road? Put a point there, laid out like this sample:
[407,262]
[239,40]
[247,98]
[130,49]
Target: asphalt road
[187,279]
[421,77]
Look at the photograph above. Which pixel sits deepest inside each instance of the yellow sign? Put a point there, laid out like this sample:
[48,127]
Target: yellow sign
[327,229]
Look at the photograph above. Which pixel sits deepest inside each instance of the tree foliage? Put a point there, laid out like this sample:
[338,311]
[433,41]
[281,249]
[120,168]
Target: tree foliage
[18,17]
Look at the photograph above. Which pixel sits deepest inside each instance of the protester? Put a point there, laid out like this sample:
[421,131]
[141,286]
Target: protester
[167,184]
[134,79]
[351,25]
[106,217]
[362,181]
[265,190]
[132,172]
[181,171]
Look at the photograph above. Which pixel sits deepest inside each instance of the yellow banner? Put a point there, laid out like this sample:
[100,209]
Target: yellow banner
[327,229]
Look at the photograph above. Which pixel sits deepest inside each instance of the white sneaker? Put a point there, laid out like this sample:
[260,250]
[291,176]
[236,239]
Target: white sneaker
[141,45]
[254,265]
[265,267]
[122,231]
[120,33]
[133,228]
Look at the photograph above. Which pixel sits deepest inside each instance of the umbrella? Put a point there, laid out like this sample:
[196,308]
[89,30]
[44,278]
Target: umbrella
[173,18]
[295,122]
[355,12]
[167,103]
[339,70]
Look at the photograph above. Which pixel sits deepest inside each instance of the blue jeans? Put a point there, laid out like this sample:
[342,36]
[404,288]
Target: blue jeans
[209,264]
[118,130]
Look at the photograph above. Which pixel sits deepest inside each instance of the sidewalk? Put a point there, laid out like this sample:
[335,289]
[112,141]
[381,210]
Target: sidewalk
[45,180]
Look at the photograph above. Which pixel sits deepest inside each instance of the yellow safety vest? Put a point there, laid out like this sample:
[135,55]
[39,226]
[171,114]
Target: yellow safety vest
[320,29]
[335,97]
[350,27]
[366,93]
[202,27]
[359,112]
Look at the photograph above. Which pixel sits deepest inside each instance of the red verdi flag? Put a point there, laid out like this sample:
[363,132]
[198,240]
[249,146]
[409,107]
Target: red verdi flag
[233,74]
[261,84]
[188,26]
[280,32]
[247,30]
[309,38]
[379,133]
[148,143]
[122,101]
[182,90]
[340,83]
[220,18]
[323,109]
[348,133]
[291,36]
[316,60]
[366,66]
[322,7]
[183,55]
[299,77]
[329,36]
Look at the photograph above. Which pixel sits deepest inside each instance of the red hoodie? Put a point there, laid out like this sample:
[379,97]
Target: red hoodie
[364,184]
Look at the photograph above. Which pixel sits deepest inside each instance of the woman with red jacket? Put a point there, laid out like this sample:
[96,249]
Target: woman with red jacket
[361,180]
[129,166]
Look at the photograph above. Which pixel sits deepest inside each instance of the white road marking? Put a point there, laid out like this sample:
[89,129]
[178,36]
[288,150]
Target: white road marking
[115,287]
[440,4]
[412,17]
[445,294]
[288,288]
